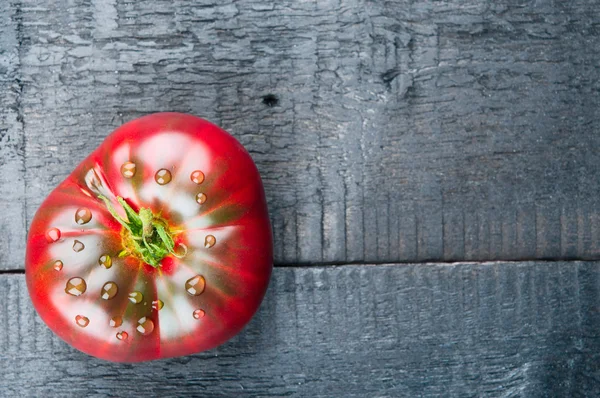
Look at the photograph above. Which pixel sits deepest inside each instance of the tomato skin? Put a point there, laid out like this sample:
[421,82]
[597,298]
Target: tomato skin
[204,185]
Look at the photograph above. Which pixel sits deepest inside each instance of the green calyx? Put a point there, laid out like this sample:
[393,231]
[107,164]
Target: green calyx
[144,235]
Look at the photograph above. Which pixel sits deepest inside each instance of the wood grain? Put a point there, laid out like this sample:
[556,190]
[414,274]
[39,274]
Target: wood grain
[385,131]
[12,140]
[491,329]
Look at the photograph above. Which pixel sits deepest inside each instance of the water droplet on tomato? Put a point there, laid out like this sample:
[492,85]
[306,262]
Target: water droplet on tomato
[209,241]
[109,290]
[158,304]
[197,177]
[199,314]
[195,286]
[82,320]
[180,250]
[78,246]
[162,176]
[76,286]
[115,321]
[58,265]
[128,169]
[52,235]
[83,215]
[201,198]
[122,335]
[145,326]
[136,297]
[105,261]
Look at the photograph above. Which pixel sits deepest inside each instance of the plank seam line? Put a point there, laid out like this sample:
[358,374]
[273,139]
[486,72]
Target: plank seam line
[11,271]
[399,263]
[440,263]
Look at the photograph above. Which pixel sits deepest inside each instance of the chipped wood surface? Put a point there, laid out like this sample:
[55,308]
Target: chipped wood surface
[492,329]
[384,131]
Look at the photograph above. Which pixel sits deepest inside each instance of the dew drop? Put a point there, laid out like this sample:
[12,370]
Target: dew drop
[78,246]
[180,250]
[109,290]
[128,169]
[209,241]
[52,235]
[158,304]
[162,176]
[122,335]
[83,215]
[136,297]
[105,261]
[82,320]
[197,177]
[75,286]
[58,265]
[201,198]
[145,326]
[115,321]
[199,314]
[195,286]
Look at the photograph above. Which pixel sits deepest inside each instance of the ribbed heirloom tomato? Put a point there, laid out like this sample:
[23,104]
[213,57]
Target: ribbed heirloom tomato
[157,245]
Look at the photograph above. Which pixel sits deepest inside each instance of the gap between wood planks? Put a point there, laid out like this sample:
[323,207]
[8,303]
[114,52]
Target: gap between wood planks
[388,264]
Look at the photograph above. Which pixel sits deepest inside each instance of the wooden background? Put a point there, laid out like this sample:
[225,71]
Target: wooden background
[430,167]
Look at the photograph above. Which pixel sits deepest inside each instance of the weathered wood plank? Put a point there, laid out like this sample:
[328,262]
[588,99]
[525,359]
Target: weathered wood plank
[397,131]
[12,158]
[491,329]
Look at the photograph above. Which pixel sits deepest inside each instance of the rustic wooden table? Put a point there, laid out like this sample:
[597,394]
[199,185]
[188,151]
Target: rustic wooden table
[430,167]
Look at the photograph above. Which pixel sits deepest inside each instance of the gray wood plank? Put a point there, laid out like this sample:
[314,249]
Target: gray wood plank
[465,329]
[385,131]
[12,159]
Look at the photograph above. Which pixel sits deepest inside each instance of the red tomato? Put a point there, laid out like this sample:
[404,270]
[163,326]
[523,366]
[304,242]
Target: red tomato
[157,245]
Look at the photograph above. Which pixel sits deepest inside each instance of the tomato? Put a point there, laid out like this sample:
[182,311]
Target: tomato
[157,245]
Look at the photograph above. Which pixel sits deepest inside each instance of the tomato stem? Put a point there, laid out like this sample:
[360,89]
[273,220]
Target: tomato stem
[144,235]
